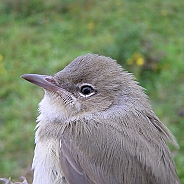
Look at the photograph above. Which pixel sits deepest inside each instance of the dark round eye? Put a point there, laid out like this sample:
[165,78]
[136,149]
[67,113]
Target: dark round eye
[87,90]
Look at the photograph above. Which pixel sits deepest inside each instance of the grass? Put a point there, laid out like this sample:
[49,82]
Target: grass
[43,36]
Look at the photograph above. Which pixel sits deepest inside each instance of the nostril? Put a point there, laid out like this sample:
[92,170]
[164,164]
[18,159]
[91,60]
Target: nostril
[50,80]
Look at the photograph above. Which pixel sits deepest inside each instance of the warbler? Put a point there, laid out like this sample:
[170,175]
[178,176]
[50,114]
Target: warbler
[96,126]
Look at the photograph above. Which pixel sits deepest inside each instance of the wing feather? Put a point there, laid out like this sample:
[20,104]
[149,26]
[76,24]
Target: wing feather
[128,151]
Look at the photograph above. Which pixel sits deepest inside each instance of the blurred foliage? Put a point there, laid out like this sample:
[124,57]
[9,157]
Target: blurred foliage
[133,49]
[145,37]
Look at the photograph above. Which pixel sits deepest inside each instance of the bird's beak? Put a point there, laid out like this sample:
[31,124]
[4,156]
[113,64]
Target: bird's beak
[45,81]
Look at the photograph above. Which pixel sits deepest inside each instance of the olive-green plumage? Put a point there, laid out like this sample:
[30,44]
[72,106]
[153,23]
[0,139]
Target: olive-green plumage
[96,126]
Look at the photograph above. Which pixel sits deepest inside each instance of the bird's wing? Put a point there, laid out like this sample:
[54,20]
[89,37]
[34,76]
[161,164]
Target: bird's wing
[75,174]
[71,169]
[131,151]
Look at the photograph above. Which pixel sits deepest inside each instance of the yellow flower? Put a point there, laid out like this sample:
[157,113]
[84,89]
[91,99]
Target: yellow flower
[140,61]
[137,58]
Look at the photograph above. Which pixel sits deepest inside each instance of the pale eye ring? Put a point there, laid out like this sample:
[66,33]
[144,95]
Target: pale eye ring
[87,90]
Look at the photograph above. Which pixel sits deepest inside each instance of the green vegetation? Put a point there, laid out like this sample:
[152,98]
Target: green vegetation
[36,36]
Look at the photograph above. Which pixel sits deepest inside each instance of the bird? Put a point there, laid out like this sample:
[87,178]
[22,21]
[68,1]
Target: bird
[96,126]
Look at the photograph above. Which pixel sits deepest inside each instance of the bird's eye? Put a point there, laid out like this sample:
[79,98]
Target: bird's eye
[87,90]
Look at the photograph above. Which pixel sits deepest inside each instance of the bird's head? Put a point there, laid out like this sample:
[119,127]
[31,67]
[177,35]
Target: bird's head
[88,85]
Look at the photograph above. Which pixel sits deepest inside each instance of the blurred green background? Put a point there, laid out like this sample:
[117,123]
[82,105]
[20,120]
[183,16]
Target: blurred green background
[145,37]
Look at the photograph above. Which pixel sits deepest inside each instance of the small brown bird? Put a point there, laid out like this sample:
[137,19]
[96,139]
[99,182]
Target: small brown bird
[96,126]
